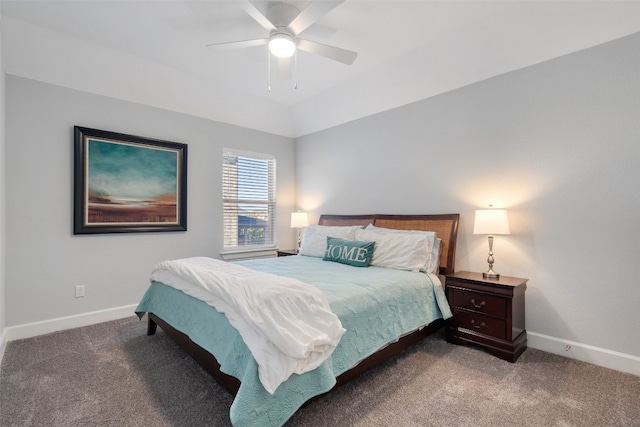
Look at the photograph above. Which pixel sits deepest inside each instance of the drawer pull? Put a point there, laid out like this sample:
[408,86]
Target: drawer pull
[481,325]
[473,302]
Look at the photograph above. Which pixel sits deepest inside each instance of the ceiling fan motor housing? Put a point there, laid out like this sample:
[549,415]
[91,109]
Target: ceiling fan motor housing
[280,13]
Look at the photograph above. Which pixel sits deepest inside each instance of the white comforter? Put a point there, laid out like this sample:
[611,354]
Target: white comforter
[287,324]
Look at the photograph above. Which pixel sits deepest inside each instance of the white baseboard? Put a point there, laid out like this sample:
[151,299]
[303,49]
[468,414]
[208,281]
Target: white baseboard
[571,349]
[3,343]
[69,322]
[584,352]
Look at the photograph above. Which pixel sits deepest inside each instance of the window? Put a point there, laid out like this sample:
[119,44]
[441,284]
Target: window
[249,199]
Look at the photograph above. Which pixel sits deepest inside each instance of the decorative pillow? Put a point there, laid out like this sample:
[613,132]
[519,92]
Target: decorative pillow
[401,251]
[432,261]
[314,238]
[350,252]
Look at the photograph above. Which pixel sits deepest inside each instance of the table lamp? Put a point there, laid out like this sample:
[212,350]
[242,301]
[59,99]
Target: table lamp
[490,222]
[299,220]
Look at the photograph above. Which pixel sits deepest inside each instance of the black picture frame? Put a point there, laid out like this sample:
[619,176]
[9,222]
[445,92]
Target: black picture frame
[128,184]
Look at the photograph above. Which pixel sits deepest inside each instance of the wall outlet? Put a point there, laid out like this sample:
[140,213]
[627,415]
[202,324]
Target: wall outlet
[79,291]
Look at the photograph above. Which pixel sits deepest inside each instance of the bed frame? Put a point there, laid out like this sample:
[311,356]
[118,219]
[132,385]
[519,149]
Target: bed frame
[446,227]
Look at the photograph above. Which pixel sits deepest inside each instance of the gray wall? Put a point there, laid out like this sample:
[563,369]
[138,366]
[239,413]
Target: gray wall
[45,261]
[2,197]
[557,144]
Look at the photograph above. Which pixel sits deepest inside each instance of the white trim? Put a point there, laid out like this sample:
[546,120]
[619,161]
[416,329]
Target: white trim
[29,330]
[587,353]
[252,254]
[3,344]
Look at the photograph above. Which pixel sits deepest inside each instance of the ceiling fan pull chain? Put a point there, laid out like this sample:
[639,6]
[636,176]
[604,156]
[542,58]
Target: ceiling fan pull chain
[295,70]
[268,71]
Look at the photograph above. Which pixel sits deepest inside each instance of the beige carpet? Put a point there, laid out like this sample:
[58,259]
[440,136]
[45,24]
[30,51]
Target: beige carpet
[112,374]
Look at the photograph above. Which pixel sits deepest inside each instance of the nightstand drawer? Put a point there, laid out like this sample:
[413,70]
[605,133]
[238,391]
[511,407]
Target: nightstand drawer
[479,302]
[482,324]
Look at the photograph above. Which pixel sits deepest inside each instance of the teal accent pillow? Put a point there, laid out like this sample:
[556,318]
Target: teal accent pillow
[350,252]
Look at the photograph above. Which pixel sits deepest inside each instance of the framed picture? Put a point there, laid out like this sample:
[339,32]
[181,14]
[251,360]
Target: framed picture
[126,184]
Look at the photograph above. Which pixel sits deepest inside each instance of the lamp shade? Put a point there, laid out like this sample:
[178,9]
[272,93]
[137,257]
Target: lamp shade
[491,221]
[299,220]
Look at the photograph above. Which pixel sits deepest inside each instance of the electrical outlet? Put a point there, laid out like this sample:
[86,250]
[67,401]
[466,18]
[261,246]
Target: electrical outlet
[79,291]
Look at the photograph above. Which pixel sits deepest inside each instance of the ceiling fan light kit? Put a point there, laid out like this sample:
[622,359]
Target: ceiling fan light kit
[282,45]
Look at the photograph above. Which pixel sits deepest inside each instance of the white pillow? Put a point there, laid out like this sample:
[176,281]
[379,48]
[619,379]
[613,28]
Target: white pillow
[314,237]
[401,251]
[432,261]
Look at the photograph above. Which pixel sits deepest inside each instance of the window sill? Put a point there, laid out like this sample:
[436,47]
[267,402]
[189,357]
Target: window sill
[238,255]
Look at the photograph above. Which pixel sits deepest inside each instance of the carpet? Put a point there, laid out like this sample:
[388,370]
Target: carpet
[113,374]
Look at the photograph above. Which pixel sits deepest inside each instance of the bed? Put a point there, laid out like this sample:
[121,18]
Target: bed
[202,331]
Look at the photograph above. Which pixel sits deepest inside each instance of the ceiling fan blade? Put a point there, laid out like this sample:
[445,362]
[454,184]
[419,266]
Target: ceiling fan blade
[237,45]
[337,54]
[258,16]
[311,14]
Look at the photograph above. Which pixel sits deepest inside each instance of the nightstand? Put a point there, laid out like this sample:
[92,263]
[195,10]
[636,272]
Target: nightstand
[286,252]
[488,313]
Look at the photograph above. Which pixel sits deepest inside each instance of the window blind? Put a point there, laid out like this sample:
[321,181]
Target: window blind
[249,199]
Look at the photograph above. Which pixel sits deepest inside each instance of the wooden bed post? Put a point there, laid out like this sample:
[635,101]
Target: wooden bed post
[151,325]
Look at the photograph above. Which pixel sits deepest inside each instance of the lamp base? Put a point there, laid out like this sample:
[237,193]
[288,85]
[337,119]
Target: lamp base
[491,275]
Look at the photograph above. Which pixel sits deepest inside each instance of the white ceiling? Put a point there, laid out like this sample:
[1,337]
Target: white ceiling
[153,52]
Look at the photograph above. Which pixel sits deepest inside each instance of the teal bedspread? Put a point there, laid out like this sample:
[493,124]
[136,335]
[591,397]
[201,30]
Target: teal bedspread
[375,305]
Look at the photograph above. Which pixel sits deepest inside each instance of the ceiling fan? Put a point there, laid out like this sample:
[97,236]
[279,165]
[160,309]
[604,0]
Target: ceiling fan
[285,22]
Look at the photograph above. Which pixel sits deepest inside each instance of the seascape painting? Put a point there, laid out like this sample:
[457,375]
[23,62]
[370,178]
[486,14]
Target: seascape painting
[129,184]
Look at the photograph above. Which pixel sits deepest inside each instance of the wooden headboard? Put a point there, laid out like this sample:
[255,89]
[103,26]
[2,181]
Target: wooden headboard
[445,226]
